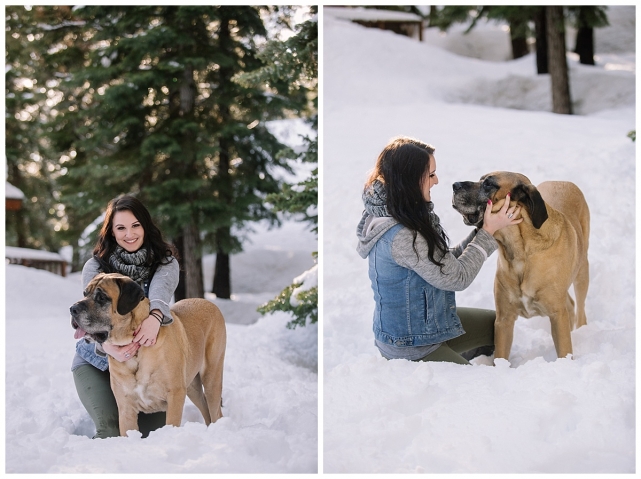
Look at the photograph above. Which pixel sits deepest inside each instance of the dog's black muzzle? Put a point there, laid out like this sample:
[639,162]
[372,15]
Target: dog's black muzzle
[466,199]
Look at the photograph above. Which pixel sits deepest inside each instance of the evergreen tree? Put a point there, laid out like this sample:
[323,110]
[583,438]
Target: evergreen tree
[30,165]
[586,19]
[148,108]
[291,68]
[517,17]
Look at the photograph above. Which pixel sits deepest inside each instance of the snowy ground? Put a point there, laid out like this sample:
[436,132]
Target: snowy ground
[270,422]
[535,413]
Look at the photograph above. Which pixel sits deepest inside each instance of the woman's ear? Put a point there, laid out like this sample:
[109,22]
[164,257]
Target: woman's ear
[533,202]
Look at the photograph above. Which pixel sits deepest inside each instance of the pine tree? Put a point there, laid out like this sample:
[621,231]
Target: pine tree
[586,19]
[291,68]
[30,165]
[147,107]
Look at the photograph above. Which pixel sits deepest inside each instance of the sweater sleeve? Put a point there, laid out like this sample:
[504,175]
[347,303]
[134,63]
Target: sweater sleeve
[89,272]
[459,248]
[162,287]
[457,273]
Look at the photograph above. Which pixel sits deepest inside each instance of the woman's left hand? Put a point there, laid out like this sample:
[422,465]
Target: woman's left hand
[146,334]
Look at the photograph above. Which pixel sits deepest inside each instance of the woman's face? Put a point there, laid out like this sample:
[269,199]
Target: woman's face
[128,231]
[429,179]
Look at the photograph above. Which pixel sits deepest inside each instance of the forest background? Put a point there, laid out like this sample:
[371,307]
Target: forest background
[172,104]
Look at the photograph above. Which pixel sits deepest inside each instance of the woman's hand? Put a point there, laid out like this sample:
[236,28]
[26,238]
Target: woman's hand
[121,353]
[506,216]
[146,334]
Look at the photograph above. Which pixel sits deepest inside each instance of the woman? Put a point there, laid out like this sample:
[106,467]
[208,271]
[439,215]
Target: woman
[413,273]
[129,243]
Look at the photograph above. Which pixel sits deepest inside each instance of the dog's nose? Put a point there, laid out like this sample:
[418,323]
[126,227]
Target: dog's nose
[457,186]
[75,309]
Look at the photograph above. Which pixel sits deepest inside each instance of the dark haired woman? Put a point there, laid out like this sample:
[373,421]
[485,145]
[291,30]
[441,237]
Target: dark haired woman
[129,243]
[413,272]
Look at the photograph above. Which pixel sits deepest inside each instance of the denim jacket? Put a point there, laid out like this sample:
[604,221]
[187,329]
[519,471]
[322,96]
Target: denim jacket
[409,311]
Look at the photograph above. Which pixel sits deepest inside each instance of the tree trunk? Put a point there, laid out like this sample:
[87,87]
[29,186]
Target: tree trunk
[540,25]
[519,41]
[180,289]
[192,261]
[222,272]
[561,102]
[222,275]
[192,248]
[585,45]
[584,37]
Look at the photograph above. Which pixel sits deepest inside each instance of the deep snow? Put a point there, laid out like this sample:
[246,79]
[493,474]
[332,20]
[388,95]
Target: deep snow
[535,413]
[270,390]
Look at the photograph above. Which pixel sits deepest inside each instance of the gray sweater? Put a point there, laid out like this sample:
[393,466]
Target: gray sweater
[461,264]
[161,289]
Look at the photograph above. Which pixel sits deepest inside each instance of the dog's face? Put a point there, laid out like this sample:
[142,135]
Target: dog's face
[470,197]
[107,307]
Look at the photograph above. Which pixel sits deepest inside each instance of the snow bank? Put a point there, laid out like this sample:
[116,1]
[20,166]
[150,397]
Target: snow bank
[535,413]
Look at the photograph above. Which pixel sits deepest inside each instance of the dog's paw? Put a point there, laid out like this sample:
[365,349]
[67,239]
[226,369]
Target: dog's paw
[501,363]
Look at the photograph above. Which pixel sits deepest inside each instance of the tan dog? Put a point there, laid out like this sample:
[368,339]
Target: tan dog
[187,359]
[539,258]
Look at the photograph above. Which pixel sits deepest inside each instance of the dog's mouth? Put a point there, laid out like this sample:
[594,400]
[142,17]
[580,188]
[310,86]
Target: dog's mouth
[472,216]
[475,219]
[99,336]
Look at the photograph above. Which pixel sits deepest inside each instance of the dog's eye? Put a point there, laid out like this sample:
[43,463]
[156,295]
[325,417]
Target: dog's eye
[101,297]
[489,184]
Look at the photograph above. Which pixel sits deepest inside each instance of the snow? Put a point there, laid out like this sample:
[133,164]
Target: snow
[534,413]
[371,14]
[270,388]
[13,192]
[26,253]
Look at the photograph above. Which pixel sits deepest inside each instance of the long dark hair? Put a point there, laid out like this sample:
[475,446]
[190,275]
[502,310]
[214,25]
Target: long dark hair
[158,251]
[402,167]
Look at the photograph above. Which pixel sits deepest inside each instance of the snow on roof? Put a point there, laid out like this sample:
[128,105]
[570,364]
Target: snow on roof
[12,192]
[371,15]
[34,254]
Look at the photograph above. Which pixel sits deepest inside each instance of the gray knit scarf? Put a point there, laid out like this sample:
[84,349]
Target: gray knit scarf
[375,201]
[131,264]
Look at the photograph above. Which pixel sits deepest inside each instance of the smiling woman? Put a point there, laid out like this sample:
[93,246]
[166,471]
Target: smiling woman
[131,244]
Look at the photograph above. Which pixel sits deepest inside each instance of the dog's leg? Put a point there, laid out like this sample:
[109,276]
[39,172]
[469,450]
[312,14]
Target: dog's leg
[561,331]
[506,315]
[503,334]
[175,405]
[127,419]
[212,378]
[127,412]
[581,283]
[195,393]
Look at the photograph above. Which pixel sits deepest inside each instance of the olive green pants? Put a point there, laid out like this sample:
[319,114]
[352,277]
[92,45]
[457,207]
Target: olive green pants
[479,331]
[94,391]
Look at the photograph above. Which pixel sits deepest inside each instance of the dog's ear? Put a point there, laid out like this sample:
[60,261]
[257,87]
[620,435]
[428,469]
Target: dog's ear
[531,199]
[130,295]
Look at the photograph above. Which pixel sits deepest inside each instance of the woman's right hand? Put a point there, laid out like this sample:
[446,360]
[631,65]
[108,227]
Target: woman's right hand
[121,353]
[506,216]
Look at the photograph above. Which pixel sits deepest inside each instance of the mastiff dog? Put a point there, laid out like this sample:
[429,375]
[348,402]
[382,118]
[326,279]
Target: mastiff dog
[187,359]
[539,258]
